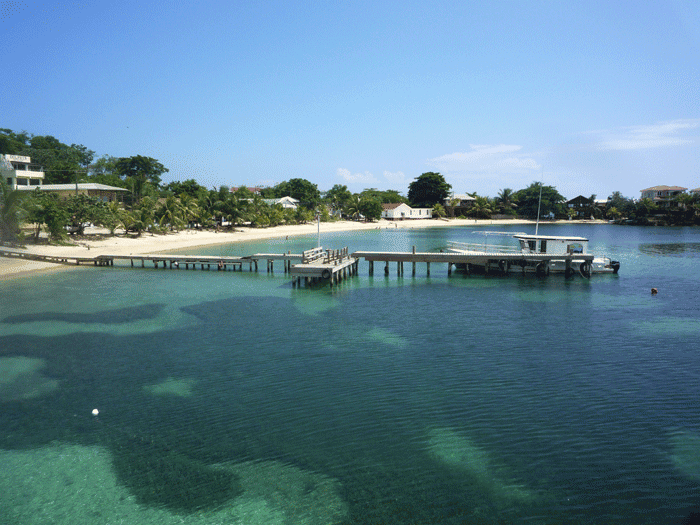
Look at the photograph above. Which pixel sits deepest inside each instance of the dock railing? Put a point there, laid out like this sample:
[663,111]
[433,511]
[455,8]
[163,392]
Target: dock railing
[325,256]
[336,256]
[309,256]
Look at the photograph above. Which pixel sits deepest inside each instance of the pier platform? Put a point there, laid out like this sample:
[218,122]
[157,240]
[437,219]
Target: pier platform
[324,265]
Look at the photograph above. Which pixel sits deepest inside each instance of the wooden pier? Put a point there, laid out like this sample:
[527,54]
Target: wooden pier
[314,265]
[319,264]
[204,262]
[324,265]
[491,262]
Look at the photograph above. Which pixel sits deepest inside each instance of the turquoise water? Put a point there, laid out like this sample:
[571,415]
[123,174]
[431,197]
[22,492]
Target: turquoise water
[234,398]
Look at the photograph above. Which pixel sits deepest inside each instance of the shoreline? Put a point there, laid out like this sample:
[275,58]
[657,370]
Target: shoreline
[121,244]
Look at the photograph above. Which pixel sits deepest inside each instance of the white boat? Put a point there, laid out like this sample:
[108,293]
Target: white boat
[542,254]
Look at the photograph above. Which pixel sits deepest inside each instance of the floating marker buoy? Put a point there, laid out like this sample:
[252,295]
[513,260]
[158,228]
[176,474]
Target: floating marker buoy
[654,291]
[95,411]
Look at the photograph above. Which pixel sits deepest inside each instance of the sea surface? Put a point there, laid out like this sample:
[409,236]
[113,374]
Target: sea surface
[147,396]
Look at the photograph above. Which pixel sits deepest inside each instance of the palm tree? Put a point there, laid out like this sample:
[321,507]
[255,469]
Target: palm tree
[646,207]
[189,207]
[141,217]
[505,199]
[353,207]
[11,212]
[231,209]
[111,216]
[169,214]
[481,208]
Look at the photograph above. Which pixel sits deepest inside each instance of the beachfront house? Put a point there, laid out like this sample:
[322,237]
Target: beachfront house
[399,211]
[19,172]
[580,207]
[458,204]
[664,196]
[286,202]
[102,192]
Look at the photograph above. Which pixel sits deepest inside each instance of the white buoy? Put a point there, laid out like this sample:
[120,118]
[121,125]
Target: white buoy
[95,411]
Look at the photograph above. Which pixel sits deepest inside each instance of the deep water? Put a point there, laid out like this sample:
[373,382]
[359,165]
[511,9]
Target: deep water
[460,399]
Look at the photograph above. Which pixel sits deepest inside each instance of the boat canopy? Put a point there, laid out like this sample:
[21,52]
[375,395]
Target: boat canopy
[528,237]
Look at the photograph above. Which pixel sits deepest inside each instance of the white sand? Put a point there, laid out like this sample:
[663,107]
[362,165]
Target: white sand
[147,243]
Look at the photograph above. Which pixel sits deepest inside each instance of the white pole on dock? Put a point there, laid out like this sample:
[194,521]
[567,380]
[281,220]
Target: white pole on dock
[318,242]
[537,224]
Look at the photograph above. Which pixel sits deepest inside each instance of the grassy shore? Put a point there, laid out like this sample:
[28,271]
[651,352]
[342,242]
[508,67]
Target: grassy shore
[99,242]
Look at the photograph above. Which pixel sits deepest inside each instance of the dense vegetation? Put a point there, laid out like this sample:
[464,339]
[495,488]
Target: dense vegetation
[149,205]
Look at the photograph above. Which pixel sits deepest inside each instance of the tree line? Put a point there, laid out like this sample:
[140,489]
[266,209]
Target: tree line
[150,205]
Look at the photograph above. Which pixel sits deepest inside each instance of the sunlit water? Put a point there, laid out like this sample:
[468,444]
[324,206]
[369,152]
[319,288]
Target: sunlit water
[231,397]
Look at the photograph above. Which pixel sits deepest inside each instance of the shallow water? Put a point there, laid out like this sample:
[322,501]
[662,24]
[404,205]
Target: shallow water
[235,398]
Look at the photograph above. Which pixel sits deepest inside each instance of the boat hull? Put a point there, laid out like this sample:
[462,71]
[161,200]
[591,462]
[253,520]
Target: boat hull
[536,267]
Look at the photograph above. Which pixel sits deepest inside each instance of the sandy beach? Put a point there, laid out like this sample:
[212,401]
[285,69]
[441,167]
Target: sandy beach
[98,242]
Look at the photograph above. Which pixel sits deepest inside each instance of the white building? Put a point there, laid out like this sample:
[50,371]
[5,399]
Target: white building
[91,189]
[401,211]
[17,171]
[285,202]
[465,200]
[663,195]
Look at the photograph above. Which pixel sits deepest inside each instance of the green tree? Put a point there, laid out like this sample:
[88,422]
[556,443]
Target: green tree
[428,189]
[371,209]
[104,171]
[169,214]
[685,209]
[303,215]
[141,218]
[231,208]
[384,197]
[481,208]
[353,207]
[190,207]
[301,189]
[646,207]
[613,213]
[82,209]
[324,212]
[111,216]
[338,197]
[438,210]
[62,164]
[12,143]
[140,171]
[187,187]
[505,201]
[45,209]
[276,215]
[528,200]
[11,212]
[624,206]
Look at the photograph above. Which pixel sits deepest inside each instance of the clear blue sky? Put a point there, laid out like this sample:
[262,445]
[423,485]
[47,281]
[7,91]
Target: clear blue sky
[591,97]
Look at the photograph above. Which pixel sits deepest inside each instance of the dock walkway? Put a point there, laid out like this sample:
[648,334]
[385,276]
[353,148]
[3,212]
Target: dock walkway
[205,262]
[490,261]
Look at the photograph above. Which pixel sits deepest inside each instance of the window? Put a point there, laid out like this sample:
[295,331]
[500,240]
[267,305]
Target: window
[543,246]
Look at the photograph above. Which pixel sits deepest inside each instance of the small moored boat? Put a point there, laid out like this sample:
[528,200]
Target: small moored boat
[541,254]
